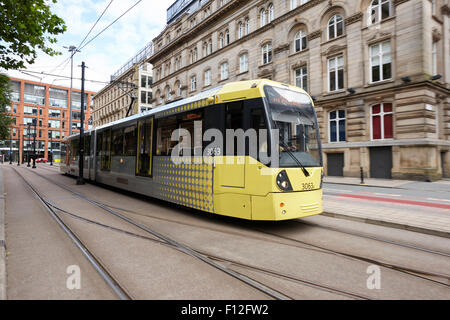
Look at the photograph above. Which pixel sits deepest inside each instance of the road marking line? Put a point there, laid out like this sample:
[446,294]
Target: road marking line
[417,203]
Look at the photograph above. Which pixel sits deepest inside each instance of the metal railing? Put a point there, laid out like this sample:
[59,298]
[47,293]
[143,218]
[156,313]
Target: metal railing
[143,54]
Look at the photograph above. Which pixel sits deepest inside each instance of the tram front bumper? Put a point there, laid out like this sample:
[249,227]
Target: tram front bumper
[287,205]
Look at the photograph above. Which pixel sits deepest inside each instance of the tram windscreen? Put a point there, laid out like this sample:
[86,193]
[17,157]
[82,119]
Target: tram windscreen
[294,117]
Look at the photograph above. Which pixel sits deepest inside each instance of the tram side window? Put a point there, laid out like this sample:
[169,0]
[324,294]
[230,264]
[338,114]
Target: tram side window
[117,143]
[145,147]
[74,149]
[258,122]
[164,131]
[187,122]
[234,121]
[104,141]
[129,141]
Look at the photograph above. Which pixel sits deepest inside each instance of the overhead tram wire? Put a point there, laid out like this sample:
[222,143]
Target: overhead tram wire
[81,43]
[93,38]
[59,76]
[66,61]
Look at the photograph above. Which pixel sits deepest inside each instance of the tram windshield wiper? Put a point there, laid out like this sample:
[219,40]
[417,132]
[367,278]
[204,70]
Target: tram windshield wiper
[289,152]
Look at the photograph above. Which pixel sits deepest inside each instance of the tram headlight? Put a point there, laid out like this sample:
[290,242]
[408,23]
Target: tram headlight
[283,181]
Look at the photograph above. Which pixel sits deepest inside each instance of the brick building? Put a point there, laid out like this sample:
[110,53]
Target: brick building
[379,71]
[48,105]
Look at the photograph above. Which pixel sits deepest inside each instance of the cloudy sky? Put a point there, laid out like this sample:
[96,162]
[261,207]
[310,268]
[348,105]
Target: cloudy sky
[109,51]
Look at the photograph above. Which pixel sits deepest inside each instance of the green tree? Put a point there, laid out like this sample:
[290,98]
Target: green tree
[25,27]
[5,100]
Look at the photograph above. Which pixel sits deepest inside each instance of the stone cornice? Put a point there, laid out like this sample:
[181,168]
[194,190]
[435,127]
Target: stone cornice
[398,2]
[354,18]
[315,34]
[192,32]
[281,48]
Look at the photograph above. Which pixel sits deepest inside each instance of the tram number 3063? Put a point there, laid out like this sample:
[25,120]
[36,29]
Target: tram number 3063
[308,186]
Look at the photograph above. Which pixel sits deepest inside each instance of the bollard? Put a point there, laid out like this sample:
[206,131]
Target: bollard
[362,175]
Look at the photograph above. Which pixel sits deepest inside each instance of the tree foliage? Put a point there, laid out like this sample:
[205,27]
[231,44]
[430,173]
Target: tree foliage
[5,100]
[25,26]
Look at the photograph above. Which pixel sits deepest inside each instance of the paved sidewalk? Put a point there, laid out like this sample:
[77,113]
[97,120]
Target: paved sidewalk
[441,185]
[434,221]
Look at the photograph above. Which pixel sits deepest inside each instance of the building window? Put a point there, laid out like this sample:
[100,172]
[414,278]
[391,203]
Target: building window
[243,63]
[240,30]
[207,77]
[270,13]
[224,71]
[267,53]
[221,41]
[262,17]
[227,37]
[380,10]
[247,26]
[335,27]
[293,4]
[434,58]
[336,73]
[179,89]
[381,61]
[301,78]
[300,42]
[337,125]
[382,121]
[193,83]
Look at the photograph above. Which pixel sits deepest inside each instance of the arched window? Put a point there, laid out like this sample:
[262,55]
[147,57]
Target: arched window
[221,40]
[380,10]
[168,94]
[335,27]
[293,4]
[300,42]
[210,46]
[271,13]
[262,17]
[227,37]
[247,26]
[267,53]
[240,30]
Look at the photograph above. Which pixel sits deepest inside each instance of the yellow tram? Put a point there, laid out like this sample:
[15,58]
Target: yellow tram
[248,149]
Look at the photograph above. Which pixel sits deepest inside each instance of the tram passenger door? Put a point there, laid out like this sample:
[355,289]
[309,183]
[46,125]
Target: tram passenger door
[232,171]
[144,148]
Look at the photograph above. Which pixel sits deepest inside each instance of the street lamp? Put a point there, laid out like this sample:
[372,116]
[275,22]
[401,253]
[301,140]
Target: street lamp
[10,148]
[72,50]
[34,144]
[18,147]
[28,145]
[51,150]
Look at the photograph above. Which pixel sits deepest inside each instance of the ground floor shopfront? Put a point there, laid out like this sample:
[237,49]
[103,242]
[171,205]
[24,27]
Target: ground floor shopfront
[402,132]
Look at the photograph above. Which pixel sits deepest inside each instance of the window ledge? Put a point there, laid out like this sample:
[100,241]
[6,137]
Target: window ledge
[380,22]
[298,53]
[266,65]
[335,39]
[331,93]
[241,73]
[379,83]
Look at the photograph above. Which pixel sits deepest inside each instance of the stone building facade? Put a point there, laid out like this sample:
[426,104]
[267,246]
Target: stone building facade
[113,101]
[379,72]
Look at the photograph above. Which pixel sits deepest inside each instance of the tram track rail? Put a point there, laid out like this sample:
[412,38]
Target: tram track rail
[109,279]
[251,282]
[422,274]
